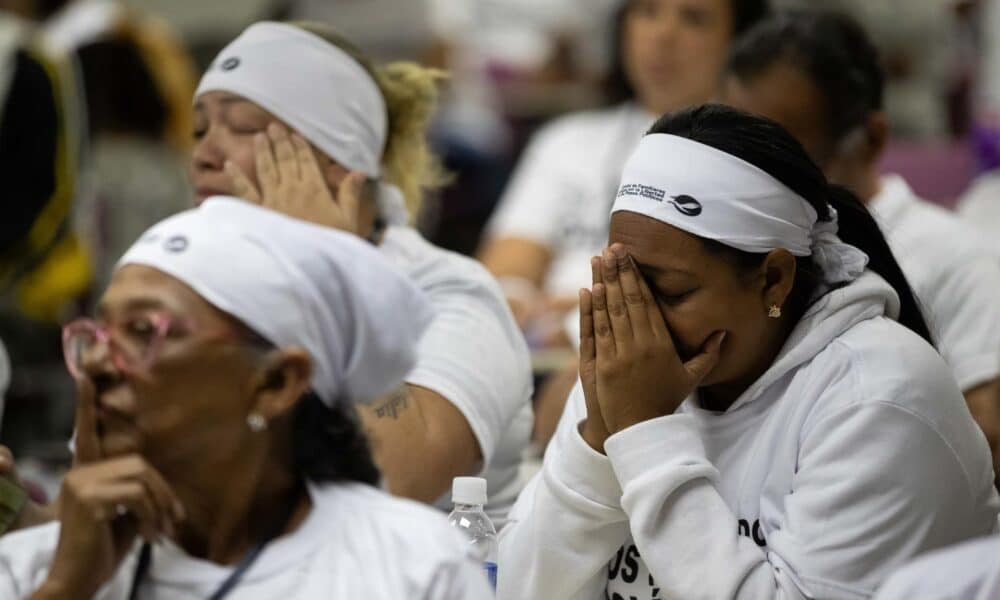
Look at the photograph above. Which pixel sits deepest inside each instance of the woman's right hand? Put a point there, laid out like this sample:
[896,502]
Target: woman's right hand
[594,430]
[104,504]
[291,182]
[103,507]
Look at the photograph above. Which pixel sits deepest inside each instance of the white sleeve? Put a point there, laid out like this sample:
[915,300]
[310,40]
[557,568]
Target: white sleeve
[539,190]
[566,524]
[965,316]
[864,501]
[25,557]
[472,354]
[970,571]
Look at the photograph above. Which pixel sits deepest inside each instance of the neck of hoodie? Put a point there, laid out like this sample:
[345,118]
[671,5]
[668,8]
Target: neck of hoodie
[826,319]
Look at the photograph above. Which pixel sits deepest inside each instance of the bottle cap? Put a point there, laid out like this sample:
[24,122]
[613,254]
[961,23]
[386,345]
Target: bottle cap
[468,490]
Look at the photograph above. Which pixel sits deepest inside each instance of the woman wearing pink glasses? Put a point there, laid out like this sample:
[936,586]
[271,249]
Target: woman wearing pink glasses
[217,451]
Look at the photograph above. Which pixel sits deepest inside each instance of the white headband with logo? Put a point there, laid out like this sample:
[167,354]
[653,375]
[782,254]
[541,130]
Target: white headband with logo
[717,196]
[318,90]
[297,284]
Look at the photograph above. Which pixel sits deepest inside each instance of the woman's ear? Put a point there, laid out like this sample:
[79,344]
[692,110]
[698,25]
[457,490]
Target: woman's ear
[280,381]
[334,174]
[779,277]
[876,129]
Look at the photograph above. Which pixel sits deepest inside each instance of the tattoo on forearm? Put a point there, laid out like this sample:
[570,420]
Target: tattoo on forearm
[393,406]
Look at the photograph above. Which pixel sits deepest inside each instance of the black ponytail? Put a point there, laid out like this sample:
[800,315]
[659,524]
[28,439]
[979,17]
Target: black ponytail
[858,228]
[329,444]
[766,145]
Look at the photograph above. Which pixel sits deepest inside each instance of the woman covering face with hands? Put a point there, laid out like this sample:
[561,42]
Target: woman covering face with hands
[217,452]
[759,414]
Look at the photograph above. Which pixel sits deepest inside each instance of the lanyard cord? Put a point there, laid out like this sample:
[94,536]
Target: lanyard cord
[146,555]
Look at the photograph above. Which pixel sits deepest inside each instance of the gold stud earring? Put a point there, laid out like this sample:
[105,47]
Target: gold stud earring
[256,422]
[774,311]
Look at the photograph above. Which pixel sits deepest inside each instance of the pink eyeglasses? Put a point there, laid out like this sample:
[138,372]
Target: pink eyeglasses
[132,343]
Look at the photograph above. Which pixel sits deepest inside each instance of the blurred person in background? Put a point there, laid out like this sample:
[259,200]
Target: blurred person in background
[43,267]
[217,451]
[45,270]
[553,215]
[980,206]
[96,121]
[819,76]
[917,42]
[264,115]
[137,80]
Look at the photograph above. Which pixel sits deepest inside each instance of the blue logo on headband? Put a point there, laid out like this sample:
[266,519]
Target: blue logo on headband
[230,63]
[176,244]
[686,205]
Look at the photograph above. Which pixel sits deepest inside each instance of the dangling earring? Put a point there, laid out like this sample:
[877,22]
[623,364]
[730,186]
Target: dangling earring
[256,422]
[774,311]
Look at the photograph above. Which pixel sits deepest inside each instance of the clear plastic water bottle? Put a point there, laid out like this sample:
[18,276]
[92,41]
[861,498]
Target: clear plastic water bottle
[468,494]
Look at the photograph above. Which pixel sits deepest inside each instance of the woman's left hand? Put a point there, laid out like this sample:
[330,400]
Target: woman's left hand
[291,182]
[639,374]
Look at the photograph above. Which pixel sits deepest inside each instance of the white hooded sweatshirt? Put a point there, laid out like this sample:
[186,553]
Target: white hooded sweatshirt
[853,453]
[969,571]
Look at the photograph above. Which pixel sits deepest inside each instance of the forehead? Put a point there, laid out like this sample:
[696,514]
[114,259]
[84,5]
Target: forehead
[658,245]
[140,286]
[216,100]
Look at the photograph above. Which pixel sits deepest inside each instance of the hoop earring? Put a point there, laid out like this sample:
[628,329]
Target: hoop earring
[774,311]
[256,422]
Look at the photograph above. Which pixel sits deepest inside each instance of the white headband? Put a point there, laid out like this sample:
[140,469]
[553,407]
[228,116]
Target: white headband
[717,196]
[297,284]
[317,89]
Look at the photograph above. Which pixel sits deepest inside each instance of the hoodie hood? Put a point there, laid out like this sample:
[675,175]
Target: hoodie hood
[828,318]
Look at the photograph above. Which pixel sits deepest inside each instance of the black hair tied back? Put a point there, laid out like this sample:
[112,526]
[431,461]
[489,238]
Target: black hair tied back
[330,444]
[766,145]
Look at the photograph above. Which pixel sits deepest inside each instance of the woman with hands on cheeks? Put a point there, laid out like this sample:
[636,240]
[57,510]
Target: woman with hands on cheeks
[217,451]
[760,413]
[293,118]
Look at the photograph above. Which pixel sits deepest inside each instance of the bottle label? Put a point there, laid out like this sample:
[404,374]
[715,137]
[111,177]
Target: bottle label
[491,573]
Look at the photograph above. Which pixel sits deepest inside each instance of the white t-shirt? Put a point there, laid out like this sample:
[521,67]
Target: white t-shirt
[474,355]
[969,571]
[980,206]
[851,454]
[562,191]
[357,542]
[954,274]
